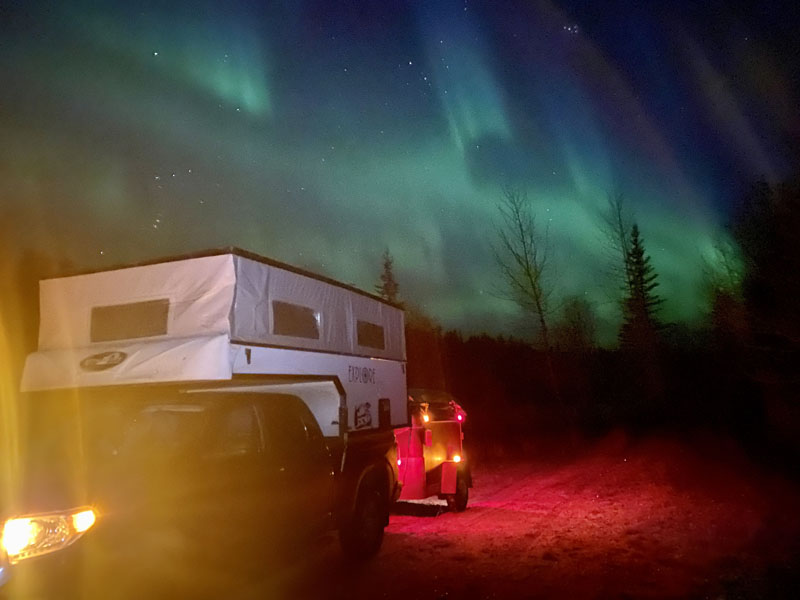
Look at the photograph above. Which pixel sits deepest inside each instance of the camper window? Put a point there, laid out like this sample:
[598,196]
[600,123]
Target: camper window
[370,335]
[294,320]
[128,321]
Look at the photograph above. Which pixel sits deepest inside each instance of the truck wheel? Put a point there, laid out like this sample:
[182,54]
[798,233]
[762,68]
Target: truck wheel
[362,535]
[458,502]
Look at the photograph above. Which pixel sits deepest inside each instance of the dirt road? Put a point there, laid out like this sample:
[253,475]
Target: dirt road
[655,518]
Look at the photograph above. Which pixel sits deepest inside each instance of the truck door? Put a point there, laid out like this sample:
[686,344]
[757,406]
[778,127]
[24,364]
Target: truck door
[302,462]
[242,507]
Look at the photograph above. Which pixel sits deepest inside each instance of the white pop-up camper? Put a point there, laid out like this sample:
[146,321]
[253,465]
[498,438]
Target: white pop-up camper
[225,316]
[230,329]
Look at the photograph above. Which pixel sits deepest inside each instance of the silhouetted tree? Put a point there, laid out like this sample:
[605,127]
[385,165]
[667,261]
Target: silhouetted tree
[724,273]
[766,229]
[522,258]
[426,357]
[639,338]
[640,324]
[616,227]
[388,287]
[577,328]
[724,269]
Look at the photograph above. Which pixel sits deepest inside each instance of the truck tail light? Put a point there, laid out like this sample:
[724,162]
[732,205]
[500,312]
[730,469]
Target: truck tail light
[457,458]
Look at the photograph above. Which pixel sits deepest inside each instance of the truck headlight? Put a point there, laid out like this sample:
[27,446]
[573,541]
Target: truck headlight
[25,537]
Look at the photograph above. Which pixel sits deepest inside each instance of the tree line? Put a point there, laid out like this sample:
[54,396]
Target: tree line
[737,370]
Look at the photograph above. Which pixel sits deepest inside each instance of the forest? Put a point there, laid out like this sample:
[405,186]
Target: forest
[735,373]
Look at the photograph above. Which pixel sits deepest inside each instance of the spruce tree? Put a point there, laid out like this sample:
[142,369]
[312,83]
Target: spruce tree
[388,287]
[640,323]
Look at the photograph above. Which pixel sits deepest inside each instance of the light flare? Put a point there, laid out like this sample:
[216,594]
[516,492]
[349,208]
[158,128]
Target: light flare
[34,535]
[83,520]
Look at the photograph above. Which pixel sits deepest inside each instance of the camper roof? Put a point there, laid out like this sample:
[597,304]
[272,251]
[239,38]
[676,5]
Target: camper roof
[249,298]
[237,252]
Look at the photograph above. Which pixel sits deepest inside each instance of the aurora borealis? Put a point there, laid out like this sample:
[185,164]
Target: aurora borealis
[321,133]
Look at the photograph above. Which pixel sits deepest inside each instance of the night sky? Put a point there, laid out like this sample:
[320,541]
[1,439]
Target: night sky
[321,133]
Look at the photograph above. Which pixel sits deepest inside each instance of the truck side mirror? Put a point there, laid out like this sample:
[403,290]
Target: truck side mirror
[428,437]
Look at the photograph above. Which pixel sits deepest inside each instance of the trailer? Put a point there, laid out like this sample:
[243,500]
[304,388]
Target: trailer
[431,456]
[228,327]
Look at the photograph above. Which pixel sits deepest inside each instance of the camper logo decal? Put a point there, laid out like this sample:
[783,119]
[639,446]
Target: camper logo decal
[102,361]
[356,374]
[363,415]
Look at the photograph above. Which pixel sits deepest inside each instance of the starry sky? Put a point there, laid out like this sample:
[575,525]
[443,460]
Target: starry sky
[321,133]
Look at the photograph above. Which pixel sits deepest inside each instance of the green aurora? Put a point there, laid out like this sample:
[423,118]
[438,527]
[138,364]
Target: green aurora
[320,136]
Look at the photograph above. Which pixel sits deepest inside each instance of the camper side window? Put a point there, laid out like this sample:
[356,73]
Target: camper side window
[370,335]
[295,320]
[129,321]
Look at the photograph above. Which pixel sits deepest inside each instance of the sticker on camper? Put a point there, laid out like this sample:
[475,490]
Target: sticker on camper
[102,361]
[363,415]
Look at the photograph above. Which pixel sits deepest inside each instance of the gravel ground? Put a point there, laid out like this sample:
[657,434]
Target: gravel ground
[652,518]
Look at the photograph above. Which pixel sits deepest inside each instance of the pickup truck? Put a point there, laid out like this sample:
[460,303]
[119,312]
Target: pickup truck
[190,417]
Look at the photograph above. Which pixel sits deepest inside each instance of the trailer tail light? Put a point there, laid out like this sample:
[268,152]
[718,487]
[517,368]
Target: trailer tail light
[460,417]
[457,458]
[399,461]
[425,417]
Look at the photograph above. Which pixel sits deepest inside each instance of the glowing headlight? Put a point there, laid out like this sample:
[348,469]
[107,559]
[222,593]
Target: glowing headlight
[83,520]
[25,537]
[17,534]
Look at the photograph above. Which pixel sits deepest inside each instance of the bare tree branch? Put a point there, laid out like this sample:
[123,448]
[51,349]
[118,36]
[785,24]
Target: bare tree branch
[521,256]
[616,226]
[723,270]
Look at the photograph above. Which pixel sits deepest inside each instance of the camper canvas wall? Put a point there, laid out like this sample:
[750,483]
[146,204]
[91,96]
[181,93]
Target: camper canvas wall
[218,316]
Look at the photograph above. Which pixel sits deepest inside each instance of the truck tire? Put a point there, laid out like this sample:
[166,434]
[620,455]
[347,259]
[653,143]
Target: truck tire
[362,534]
[458,502]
